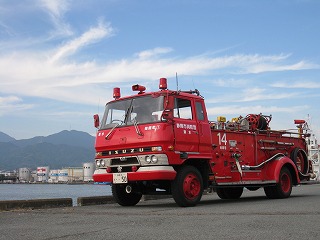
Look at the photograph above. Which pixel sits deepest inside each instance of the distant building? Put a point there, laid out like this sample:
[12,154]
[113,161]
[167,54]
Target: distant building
[24,175]
[9,177]
[63,175]
[88,169]
[53,176]
[75,174]
[42,174]
[34,176]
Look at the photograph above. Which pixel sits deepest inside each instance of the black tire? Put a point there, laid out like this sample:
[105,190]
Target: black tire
[252,188]
[300,159]
[270,192]
[122,197]
[187,187]
[221,193]
[262,123]
[283,188]
[230,192]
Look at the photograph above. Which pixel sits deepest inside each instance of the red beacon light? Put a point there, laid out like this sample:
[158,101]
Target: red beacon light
[139,88]
[299,121]
[163,84]
[116,93]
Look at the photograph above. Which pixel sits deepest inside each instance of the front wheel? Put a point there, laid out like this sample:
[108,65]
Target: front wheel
[187,188]
[123,197]
[283,188]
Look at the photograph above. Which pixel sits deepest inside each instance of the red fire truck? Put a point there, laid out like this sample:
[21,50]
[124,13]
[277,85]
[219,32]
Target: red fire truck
[163,143]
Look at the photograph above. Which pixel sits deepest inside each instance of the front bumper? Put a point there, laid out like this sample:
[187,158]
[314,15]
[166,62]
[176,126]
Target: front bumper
[149,173]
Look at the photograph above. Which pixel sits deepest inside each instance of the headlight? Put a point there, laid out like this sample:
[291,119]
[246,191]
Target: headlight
[102,163]
[151,159]
[154,159]
[148,159]
[98,163]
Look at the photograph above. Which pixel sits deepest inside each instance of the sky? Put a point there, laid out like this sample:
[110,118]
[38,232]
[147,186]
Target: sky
[60,59]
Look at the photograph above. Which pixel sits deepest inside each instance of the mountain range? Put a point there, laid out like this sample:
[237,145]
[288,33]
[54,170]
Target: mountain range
[63,149]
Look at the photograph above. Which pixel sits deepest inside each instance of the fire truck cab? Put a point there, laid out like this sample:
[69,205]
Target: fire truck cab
[163,143]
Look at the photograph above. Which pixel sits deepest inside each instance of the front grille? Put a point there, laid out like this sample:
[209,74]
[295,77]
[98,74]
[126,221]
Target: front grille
[123,161]
[123,169]
[126,151]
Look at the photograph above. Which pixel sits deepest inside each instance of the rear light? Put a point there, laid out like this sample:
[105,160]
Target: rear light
[134,168]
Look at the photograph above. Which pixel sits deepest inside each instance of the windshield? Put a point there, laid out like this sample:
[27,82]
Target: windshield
[146,109]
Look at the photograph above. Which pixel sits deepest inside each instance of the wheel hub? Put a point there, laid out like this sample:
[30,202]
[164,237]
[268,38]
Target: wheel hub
[285,183]
[191,186]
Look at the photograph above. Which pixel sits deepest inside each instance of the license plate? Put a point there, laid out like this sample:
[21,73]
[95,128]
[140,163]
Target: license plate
[120,178]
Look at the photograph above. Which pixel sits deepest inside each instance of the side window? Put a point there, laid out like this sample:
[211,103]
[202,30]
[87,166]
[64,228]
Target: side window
[182,108]
[199,111]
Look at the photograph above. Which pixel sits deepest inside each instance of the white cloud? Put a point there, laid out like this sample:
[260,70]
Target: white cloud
[12,104]
[297,84]
[4,28]
[49,74]
[153,52]
[250,94]
[56,10]
[238,109]
[256,94]
[271,67]
[9,100]
[234,83]
[93,35]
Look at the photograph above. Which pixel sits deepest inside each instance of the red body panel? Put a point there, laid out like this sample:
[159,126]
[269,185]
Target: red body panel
[254,149]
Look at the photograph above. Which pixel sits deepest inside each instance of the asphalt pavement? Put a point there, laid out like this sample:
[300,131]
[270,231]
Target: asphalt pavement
[251,217]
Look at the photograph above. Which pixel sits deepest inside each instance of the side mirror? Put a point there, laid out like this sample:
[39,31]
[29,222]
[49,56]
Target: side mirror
[167,114]
[96,120]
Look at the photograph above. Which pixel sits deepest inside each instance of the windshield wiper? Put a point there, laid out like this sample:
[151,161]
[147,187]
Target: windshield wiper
[129,110]
[109,133]
[135,124]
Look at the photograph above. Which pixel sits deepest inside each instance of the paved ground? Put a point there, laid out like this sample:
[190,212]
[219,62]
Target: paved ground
[251,217]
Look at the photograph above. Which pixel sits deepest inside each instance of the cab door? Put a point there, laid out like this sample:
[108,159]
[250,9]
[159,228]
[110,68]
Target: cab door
[186,128]
[205,142]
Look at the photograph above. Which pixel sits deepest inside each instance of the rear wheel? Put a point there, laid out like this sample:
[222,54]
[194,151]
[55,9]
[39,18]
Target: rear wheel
[230,192]
[252,188]
[124,198]
[187,188]
[221,193]
[283,188]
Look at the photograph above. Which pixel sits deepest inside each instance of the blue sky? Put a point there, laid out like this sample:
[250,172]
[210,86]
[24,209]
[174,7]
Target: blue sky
[59,60]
